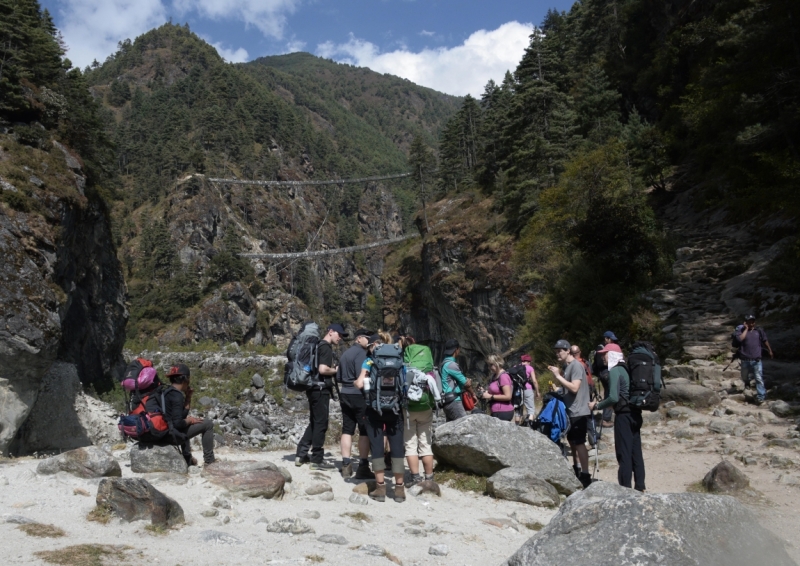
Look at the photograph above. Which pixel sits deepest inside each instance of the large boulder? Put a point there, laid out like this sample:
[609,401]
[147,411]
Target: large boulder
[247,478]
[725,478]
[147,458]
[134,499]
[610,524]
[64,417]
[520,484]
[689,394]
[484,445]
[87,462]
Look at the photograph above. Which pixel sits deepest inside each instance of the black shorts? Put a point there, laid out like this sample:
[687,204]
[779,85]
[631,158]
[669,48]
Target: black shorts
[577,430]
[354,407]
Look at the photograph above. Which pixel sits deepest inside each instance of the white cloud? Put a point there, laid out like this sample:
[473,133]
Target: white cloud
[427,33]
[230,55]
[92,28]
[295,45]
[269,16]
[463,69]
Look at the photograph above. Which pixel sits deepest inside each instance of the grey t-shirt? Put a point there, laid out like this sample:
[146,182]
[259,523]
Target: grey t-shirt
[577,403]
[350,368]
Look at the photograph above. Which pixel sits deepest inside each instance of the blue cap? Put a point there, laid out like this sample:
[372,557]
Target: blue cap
[611,335]
[336,327]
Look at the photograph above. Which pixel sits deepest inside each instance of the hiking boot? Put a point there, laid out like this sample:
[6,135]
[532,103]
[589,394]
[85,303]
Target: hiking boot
[415,479]
[347,470]
[380,493]
[585,479]
[364,473]
[322,466]
[209,462]
[399,493]
[299,461]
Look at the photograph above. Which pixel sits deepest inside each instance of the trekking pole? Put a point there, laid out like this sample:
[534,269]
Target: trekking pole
[597,445]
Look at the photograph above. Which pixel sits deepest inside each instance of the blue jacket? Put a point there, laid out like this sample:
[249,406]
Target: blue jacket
[555,413]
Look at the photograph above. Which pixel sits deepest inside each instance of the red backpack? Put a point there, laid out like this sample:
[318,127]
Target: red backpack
[588,369]
[147,421]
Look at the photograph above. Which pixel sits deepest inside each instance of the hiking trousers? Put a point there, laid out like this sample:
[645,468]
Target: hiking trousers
[206,428]
[313,440]
[628,446]
[390,426]
[454,410]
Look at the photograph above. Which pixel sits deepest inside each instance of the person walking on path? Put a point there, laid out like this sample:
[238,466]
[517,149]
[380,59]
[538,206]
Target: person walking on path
[177,402]
[576,398]
[454,382]
[382,425]
[531,387]
[354,406]
[628,427]
[498,394]
[753,341]
[319,398]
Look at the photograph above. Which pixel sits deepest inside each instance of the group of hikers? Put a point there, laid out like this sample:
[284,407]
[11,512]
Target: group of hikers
[389,387]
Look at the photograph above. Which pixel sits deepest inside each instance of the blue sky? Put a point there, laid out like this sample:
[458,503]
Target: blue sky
[448,45]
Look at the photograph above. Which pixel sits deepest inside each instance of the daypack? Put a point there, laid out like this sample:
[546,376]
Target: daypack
[552,420]
[588,370]
[134,368]
[420,393]
[300,371]
[418,356]
[387,390]
[519,377]
[644,369]
[147,421]
[145,381]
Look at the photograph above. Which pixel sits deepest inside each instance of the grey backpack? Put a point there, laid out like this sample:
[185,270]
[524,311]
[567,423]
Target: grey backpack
[387,379]
[300,372]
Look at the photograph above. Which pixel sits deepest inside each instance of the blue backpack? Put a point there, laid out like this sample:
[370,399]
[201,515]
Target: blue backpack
[552,420]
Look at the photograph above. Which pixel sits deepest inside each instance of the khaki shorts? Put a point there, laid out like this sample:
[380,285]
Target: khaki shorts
[417,433]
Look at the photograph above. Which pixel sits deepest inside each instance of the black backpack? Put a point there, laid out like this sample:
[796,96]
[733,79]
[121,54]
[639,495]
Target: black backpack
[644,369]
[519,377]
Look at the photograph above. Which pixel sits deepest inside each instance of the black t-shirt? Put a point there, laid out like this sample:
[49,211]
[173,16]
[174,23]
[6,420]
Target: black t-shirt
[350,368]
[324,357]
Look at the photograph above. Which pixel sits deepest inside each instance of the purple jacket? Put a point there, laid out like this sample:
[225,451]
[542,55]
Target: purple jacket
[750,348]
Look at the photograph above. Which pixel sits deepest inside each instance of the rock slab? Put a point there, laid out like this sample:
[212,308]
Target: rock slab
[484,445]
[520,484]
[147,458]
[247,478]
[689,394]
[725,478]
[87,462]
[133,499]
[624,527]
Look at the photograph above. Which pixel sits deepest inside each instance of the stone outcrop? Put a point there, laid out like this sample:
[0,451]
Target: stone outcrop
[134,499]
[609,524]
[147,458]
[247,478]
[725,478]
[61,288]
[520,484]
[88,462]
[484,445]
[689,394]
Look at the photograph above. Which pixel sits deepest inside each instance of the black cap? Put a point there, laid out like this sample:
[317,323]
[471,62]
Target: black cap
[336,327]
[374,338]
[363,332]
[451,346]
[750,317]
[179,369]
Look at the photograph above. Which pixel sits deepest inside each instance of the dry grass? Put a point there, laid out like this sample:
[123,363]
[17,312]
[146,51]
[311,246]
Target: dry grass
[315,558]
[391,557]
[85,555]
[358,516]
[462,481]
[41,530]
[120,446]
[81,491]
[535,526]
[157,530]
[100,514]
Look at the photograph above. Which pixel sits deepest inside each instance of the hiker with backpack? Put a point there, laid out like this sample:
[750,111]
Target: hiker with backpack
[423,397]
[531,391]
[752,341]
[382,380]
[454,382]
[600,369]
[177,402]
[576,397]
[628,419]
[499,391]
[354,407]
[319,398]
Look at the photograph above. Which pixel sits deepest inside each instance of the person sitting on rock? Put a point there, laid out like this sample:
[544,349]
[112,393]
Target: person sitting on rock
[354,406]
[177,402]
[628,421]
[383,425]
[453,382]
[753,340]
[499,391]
[576,398]
[531,387]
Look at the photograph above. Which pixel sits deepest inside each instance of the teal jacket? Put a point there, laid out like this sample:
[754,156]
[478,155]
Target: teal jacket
[453,381]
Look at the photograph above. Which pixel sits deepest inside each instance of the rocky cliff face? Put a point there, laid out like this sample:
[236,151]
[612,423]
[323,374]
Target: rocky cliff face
[61,286]
[457,283]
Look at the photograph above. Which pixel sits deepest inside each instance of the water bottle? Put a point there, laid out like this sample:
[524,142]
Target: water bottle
[366,385]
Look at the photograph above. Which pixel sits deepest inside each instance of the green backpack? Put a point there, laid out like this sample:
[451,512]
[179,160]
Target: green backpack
[419,357]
